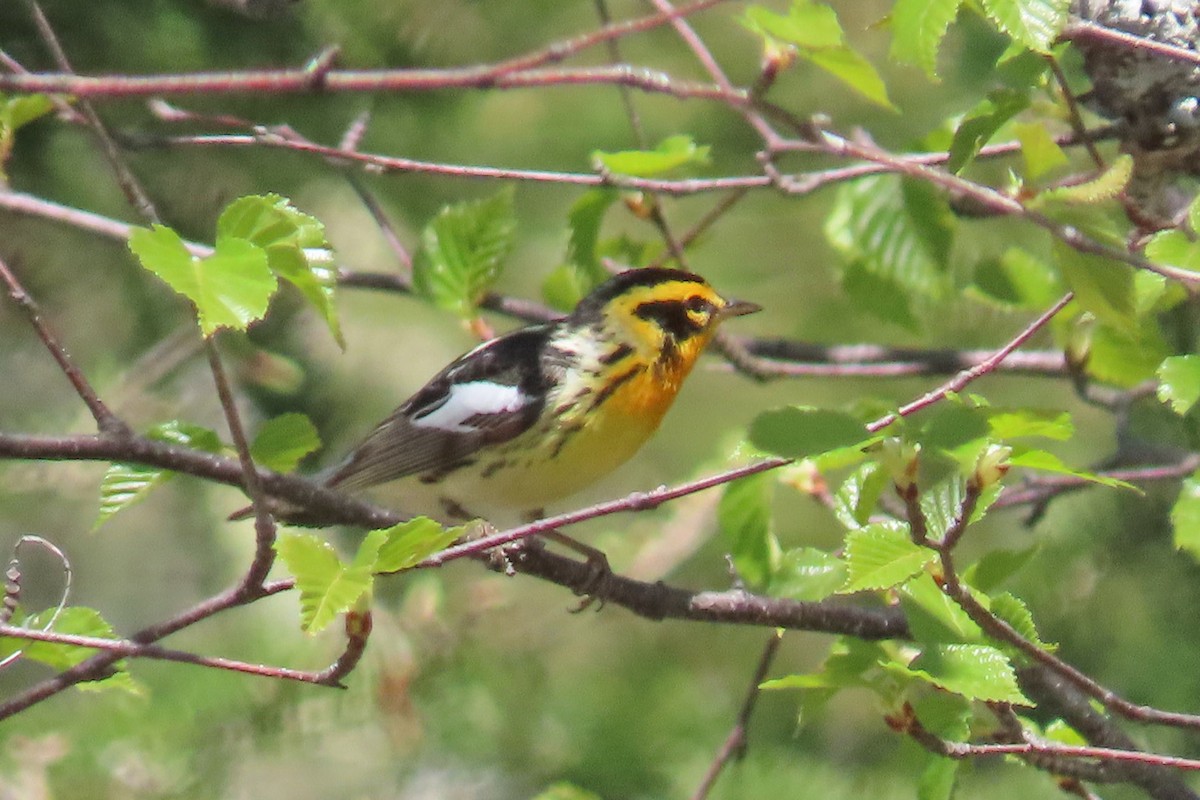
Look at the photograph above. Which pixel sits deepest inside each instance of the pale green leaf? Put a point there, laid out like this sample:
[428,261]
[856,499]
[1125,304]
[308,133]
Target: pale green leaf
[881,556]
[1126,357]
[1174,248]
[1039,151]
[807,573]
[918,27]
[1179,382]
[880,295]
[1185,517]
[1011,423]
[1018,279]
[327,586]
[281,442]
[1048,462]
[1035,24]
[975,671]
[982,123]
[463,250]
[856,498]
[996,567]
[1102,286]
[847,665]
[933,617]
[77,621]
[671,153]
[409,543]
[848,66]
[1013,610]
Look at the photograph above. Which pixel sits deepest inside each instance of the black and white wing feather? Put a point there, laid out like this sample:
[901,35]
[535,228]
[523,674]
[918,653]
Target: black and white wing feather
[488,396]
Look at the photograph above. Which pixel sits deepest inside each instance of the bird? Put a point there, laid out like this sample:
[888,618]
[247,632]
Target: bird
[537,414]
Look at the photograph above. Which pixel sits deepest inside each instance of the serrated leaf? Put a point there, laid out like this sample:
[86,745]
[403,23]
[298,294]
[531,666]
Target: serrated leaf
[845,667]
[1126,357]
[78,621]
[1185,517]
[897,230]
[856,498]
[409,543]
[281,442]
[327,586]
[801,431]
[881,556]
[918,27]
[940,504]
[125,484]
[933,617]
[463,250]
[671,153]
[1108,185]
[229,289]
[1179,382]
[1019,280]
[1048,462]
[975,671]
[744,519]
[807,573]
[1039,151]
[1102,286]
[982,123]
[1013,610]
[1035,24]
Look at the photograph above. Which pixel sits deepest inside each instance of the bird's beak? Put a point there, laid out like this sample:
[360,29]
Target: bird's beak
[737,308]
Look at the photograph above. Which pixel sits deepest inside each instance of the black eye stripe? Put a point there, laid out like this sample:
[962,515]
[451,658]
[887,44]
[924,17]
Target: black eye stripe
[673,316]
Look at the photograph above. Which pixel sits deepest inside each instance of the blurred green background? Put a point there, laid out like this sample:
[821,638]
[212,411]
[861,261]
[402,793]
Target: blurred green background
[476,685]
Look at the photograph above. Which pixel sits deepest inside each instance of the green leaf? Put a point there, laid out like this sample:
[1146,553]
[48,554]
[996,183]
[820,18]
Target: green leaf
[1011,423]
[584,220]
[845,667]
[1018,280]
[744,518]
[77,621]
[229,289]
[975,671]
[937,778]
[898,230]
[996,567]
[1013,610]
[885,297]
[856,498]
[463,250]
[1179,382]
[409,543]
[283,441]
[15,112]
[1175,249]
[1126,357]
[1035,24]
[327,586]
[933,617]
[1106,186]
[853,70]
[802,431]
[918,27]
[881,556]
[1039,151]
[1102,286]
[952,425]
[1048,462]
[807,24]
[807,573]
[125,484]
[671,153]
[941,504]
[1185,517]
[981,124]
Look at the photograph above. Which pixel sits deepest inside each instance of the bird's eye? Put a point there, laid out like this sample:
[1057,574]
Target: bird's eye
[697,305]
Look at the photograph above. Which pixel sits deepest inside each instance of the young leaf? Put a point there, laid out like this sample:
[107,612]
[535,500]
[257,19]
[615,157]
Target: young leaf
[1010,423]
[1185,517]
[1175,249]
[584,219]
[878,294]
[807,573]
[79,621]
[463,251]
[411,542]
[807,24]
[933,617]
[229,289]
[744,518]
[1035,24]
[918,27]
[856,498]
[881,556]
[1179,382]
[981,124]
[1102,286]
[996,567]
[845,667]
[1039,151]
[1019,280]
[283,441]
[671,153]
[1013,610]
[16,112]
[975,671]
[848,66]
[327,586]
[800,431]
[1126,357]
[1048,462]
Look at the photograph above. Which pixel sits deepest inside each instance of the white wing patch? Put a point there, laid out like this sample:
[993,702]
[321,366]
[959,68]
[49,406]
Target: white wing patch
[472,400]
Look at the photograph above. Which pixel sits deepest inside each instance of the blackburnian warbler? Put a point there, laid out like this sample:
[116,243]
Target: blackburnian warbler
[539,413]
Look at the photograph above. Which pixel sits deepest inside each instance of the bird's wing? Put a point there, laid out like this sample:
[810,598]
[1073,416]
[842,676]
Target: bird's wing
[486,397]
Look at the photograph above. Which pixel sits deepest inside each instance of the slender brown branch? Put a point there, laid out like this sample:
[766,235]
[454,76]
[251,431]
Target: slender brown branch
[734,745]
[106,420]
[1081,30]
